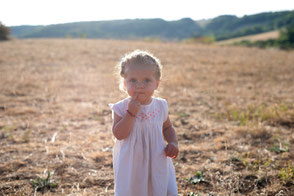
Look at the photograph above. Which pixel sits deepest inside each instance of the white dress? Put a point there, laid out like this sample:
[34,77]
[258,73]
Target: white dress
[139,161]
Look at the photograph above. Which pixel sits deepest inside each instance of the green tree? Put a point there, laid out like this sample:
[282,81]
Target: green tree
[286,38]
[4,32]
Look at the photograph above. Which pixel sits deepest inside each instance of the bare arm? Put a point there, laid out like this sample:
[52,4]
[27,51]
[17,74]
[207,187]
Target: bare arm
[170,136]
[122,126]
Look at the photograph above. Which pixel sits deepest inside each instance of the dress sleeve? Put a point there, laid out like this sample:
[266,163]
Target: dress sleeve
[165,110]
[116,108]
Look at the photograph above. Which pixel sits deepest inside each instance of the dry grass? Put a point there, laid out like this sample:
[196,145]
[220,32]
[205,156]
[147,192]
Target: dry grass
[260,36]
[54,115]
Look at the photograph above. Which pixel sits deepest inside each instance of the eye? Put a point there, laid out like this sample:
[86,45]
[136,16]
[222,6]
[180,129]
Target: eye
[147,80]
[132,80]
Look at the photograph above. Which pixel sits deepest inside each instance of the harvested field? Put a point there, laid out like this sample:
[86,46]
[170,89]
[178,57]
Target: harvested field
[232,107]
[256,37]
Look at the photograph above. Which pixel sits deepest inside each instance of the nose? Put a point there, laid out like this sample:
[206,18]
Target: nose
[140,85]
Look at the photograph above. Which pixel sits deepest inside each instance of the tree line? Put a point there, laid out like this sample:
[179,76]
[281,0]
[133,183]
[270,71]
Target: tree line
[219,28]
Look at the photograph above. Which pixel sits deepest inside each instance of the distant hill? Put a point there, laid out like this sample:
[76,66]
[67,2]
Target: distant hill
[229,26]
[118,29]
[221,27]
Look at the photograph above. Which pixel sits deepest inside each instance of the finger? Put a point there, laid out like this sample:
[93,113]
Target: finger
[166,150]
[169,152]
[143,97]
[176,153]
[172,153]
[136,96]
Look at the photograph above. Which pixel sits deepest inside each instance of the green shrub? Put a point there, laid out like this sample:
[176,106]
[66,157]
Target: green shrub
[198,177]
[287,173]
[43,184]
[4,32]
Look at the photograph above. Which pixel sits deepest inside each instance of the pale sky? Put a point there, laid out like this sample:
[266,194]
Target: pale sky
[44,12]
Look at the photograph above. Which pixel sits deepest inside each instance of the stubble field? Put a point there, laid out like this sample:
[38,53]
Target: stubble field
[232,107]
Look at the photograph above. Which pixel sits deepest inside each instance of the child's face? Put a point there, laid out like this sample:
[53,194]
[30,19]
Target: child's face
[141,81]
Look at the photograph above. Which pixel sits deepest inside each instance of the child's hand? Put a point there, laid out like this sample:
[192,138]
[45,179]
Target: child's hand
[171,150]
[134,105]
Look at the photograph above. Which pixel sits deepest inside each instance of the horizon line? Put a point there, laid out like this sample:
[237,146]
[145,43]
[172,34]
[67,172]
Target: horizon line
[120,19]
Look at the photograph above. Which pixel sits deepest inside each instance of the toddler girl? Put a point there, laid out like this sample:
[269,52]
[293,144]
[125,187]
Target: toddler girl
[141,160]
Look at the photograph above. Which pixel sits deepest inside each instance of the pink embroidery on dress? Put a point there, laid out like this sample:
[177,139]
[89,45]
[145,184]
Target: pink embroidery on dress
[148,115]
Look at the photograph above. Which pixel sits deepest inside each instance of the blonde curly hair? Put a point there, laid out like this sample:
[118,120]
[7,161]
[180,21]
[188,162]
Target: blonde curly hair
[138,58]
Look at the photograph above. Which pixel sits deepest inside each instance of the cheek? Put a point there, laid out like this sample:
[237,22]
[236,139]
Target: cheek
[149,90]
[129,86]
[130,89]
[152,87]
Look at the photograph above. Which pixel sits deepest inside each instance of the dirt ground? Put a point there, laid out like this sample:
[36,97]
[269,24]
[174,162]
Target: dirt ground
[232,108]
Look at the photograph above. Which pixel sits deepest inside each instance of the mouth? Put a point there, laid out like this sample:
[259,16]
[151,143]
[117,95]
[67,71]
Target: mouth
[141,96]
